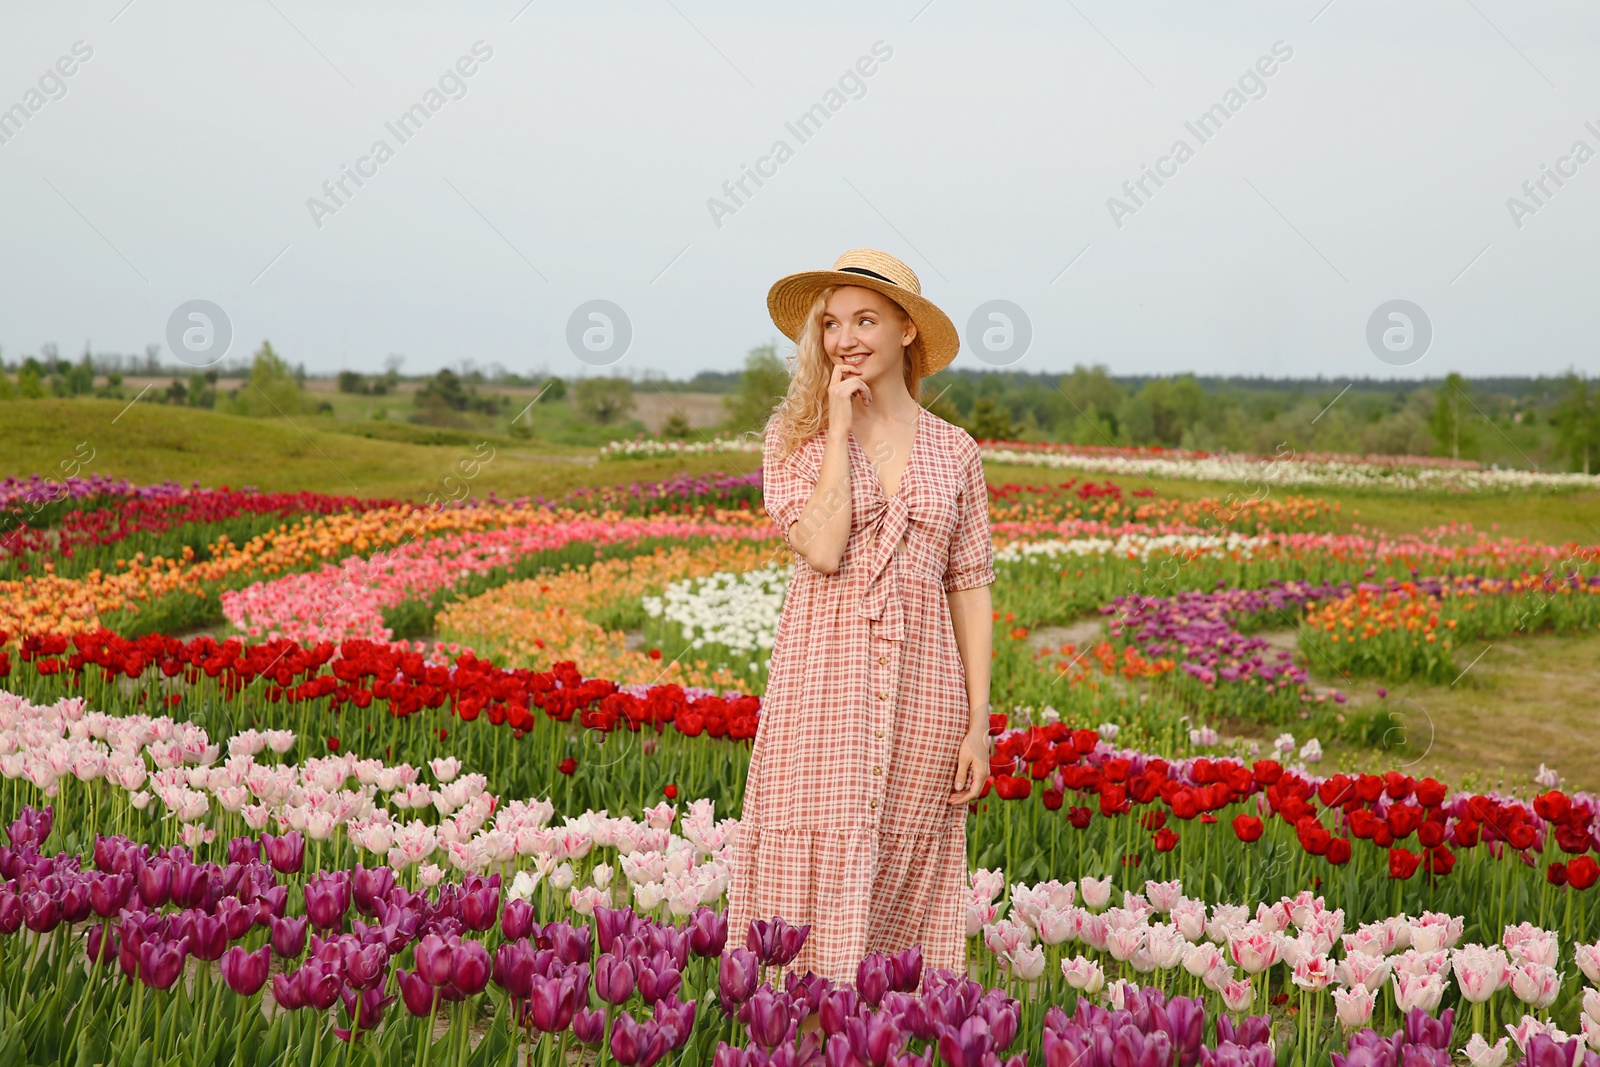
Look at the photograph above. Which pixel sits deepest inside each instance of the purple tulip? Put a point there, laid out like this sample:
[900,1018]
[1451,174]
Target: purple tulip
[366,966]
[635,1044]
[327,899]
[589,1026]
[874,1038]
[190,884]
[288,991]
[906,970]
[433,959]
[658,978]
[612,923]
[469,967]
[246,972]
[516,921]
[40,911]
[271,901]
[1187,1019]
[737,975]
[873,978]
[614,978]
[287,854]
[775,941]
[103,944]
[1423,1029]
[75,902]
[288,936]
[244,850]
[839,1005]
[767,1018]
[364,1010]
[676,1020]
[708,932]
[161,962]
[480,903]
[368,885]
[10,910]
[571,944]
[109,892]
[417,993]
[515,964]
[155,883]
[237,918]
[321,980]
[554,1000]
[31,827]
[208,936]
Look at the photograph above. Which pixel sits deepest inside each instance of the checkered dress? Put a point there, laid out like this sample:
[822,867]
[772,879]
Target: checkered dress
[846,823]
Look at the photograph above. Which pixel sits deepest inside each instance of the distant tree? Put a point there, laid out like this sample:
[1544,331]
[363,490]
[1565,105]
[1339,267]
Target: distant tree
[1577,422]
[1159,413]
[557,390]
[602,400]
[1451,432]
[1092,396]
[677,427]
[7,390]
[177,392]
[29,385]
[762,385]
[351,382]
[991,420]
[272,389]
[202,389]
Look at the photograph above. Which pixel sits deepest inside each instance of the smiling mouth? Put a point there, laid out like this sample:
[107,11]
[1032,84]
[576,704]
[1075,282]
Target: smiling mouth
[856,359]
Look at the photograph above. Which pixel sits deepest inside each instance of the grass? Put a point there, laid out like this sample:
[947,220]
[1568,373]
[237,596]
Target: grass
[1529,700]
[1555,517]
[151,443]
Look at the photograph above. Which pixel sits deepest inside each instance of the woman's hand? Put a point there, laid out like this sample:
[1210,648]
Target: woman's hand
[972,766]
[846,385]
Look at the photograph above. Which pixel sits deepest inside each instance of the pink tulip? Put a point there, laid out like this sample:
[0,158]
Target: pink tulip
[1418,991]
[1254,949]
[1480,972]
[1535,985]
[1354,1006]
[1096,892]
[1313,973]
[1083,974]
[1238,995]
[1480,1053]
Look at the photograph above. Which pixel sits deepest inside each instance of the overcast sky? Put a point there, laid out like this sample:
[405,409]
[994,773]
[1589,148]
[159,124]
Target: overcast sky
[576,162]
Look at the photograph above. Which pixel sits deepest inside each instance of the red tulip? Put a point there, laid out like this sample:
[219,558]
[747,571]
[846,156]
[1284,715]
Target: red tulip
[1165,840]
[1403,864]
[1339,851]
[1583,872]
[1247,828]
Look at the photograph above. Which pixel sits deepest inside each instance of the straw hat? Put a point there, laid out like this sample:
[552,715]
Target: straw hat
[790,299]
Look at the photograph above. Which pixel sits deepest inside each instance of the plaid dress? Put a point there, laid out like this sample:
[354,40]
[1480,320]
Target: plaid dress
[846,823]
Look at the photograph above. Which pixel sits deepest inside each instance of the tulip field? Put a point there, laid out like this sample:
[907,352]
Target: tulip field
[290,778]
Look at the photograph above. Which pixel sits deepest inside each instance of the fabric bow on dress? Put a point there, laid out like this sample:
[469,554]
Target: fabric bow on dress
[880,599]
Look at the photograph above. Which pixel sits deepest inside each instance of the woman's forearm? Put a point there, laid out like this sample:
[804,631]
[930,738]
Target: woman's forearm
[972,617]
[823,528]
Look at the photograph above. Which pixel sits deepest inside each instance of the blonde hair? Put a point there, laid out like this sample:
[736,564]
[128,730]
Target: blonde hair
[803,412]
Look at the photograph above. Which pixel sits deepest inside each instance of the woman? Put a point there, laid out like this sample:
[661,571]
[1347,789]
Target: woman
[874,729]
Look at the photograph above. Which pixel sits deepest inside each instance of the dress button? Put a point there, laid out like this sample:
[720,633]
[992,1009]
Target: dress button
[877,770]
[883,696]
[872,804]
[883,659]
[878,732]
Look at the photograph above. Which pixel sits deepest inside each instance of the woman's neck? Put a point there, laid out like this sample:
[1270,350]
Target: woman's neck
[891,400]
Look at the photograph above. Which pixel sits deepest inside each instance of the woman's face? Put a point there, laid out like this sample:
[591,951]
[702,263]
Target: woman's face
[863,329]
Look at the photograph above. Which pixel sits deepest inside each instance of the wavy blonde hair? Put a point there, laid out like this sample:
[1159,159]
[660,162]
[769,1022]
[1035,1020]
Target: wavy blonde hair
[803,412]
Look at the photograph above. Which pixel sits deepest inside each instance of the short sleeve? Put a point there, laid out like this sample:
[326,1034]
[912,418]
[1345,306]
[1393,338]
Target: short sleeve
[971,550]
[786,484]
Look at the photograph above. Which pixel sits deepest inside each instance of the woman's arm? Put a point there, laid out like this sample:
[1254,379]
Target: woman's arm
[823,528]
[972,617]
